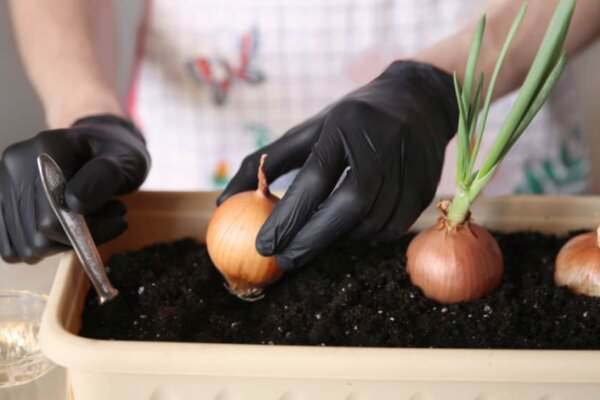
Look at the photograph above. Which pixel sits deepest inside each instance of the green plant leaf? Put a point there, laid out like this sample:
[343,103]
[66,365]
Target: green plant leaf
[544,72]
[476,108]
[541,98]
[544,60]
[472,59]
[462,139]
[490,89]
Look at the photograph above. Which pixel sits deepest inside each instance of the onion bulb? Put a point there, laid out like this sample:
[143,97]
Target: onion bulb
[578,264]
[231,239]
[451,264]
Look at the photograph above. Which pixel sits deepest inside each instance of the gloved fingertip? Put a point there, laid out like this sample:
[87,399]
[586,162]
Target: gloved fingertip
[32,260]
[109,230]
[94,185]
[28,256]
[113,208]
[10,257]
[265,244]
[7,253]
[222,197]
[267,240]
[119,230]
[236,185]
[74,203]
[285,263]
[120,208]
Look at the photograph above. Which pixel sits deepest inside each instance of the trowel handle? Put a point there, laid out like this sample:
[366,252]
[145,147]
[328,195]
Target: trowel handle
[75,227]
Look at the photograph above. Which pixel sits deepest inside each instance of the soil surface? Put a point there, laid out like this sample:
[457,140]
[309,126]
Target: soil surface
[347,297]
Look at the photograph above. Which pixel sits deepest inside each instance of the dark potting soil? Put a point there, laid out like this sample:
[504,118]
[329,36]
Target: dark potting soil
[348,297]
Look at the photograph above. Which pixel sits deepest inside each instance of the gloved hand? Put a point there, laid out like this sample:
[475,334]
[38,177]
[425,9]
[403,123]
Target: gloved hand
[371,163]
[101,156]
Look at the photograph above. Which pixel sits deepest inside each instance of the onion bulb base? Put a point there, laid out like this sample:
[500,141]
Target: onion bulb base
[249,294]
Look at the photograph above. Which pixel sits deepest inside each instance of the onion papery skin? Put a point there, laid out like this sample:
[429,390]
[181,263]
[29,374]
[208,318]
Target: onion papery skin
[455,264]
[231,238]
[578,265]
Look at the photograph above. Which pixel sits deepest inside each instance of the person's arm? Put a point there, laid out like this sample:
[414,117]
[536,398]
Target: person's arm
[68,48]
[450,54]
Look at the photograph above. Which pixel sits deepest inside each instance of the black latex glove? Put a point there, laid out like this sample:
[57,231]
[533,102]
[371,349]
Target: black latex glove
[380,147]
[101,156]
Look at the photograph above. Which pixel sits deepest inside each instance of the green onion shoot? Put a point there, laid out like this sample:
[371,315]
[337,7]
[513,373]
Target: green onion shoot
[457,260]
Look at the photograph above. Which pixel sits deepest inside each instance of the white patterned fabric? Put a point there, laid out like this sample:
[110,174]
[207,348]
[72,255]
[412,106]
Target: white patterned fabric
[216,79]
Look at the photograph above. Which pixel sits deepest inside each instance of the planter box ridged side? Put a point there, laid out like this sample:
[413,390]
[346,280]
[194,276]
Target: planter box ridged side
[176,371]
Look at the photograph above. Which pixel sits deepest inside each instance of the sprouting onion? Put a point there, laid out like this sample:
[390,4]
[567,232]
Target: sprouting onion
[458,260]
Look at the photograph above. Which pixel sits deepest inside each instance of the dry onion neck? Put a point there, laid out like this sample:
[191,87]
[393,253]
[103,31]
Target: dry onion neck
[263,185]
[457,212]
[444,221]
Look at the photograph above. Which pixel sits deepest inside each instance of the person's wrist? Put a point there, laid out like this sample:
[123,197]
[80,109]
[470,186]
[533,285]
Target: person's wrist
[110,120]
[63,112]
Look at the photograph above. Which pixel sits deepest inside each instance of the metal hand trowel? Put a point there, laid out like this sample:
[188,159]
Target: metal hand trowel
[75,227]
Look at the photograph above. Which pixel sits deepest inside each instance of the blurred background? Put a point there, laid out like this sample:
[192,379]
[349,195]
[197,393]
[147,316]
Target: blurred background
[21,114]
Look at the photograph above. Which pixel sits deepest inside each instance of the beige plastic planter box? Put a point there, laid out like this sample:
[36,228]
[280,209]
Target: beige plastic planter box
[115,370]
